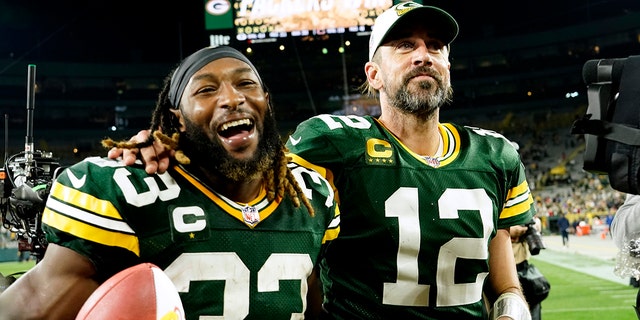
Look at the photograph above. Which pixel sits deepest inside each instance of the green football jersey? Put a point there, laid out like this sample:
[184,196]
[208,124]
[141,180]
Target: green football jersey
[414,232]
[228,260]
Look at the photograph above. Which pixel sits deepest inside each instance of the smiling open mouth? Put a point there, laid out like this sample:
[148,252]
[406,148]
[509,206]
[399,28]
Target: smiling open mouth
[234,128]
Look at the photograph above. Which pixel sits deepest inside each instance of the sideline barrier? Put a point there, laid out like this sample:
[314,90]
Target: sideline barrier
[8,254]
[583,230]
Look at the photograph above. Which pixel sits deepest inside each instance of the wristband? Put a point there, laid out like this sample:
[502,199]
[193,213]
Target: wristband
[510,305]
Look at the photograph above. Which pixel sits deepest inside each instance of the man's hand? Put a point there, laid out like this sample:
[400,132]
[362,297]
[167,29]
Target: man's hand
[155,157]
[516,232]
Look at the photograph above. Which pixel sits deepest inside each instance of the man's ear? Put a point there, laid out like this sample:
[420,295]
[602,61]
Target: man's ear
[373,76]
[267,98]
[178,114]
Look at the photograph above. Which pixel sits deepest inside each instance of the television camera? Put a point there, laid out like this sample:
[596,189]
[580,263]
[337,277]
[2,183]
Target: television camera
[611,123]
[25,183]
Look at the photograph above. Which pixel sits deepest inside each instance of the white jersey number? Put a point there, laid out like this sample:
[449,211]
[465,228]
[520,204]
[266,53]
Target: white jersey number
[406,291]
[228,267]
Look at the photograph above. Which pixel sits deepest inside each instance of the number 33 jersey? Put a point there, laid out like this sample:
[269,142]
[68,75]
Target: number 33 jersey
[228,260]
[415,231]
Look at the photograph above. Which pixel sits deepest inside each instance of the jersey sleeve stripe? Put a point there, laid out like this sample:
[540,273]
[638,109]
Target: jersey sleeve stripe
[519,200]
[91,233]
[88,217]
[84,200]
[522,188]
[334,227]
[324,172]
[517,209]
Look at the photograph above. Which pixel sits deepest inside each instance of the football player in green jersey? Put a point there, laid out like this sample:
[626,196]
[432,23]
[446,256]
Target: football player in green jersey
[426,206]
[237,228]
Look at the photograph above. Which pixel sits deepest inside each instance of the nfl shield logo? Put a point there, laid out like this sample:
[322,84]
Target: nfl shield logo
[250,215]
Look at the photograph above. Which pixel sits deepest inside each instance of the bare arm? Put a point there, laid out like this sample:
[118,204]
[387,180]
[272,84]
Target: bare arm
[503,276]
[55,288]
[314,296]
[155,157]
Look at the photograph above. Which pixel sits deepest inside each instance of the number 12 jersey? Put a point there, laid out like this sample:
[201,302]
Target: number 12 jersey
[414,231]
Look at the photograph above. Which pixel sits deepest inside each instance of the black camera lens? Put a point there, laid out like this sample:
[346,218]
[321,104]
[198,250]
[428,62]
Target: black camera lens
[534,239]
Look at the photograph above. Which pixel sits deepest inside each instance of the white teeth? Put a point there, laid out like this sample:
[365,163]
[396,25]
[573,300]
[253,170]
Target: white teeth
[235,123]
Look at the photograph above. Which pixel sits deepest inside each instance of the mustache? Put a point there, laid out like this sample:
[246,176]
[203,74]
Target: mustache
[423,70]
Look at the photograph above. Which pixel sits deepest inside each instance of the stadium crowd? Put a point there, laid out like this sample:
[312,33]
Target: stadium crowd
[559,183]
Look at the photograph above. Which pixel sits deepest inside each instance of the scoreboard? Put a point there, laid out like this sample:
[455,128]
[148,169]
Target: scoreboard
[255,20]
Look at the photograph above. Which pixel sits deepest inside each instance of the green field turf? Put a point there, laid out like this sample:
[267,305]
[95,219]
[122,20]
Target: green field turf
[579,296]
[7,268]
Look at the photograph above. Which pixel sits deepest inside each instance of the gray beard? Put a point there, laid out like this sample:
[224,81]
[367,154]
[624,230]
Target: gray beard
[421,103]
[213,157]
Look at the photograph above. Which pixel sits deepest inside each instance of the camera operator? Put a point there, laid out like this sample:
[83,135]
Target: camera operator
[626,222]
[525,241]
[625,231]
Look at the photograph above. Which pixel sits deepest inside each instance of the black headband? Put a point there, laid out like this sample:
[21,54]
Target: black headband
[195,62]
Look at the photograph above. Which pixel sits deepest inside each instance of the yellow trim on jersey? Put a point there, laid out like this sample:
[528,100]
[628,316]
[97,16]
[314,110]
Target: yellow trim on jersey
[519,200]
[85,201]
[85,231]
[303,162]
[334,227]
[324,172]
[230,209]
[74,212]
[451,148]
[522,188]
[450,144]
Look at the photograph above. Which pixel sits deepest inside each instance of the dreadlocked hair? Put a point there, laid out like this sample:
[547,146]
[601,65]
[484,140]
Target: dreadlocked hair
[161,119]
[279,182]
[284,181]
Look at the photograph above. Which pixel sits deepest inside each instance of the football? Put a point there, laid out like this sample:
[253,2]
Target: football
[141,292]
